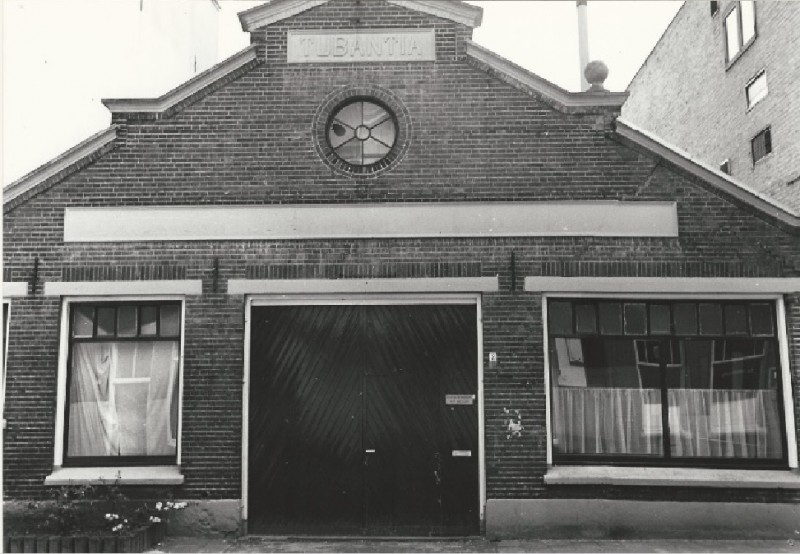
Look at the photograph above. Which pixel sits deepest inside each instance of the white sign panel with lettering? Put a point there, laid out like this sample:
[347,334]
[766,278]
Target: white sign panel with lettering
[459,399]
[367,45]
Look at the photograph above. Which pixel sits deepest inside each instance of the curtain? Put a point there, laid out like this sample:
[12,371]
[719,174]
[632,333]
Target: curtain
[725,423]
[121,396]
[595,420]
[703,422]
[93,429]
[161,427]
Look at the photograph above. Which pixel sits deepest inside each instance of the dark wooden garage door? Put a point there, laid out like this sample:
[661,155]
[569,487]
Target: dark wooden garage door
[364,420]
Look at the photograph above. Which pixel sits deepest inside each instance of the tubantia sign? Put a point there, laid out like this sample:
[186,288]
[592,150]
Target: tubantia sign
[368,45]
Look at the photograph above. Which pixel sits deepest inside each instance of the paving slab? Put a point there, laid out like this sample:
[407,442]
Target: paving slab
[306,544]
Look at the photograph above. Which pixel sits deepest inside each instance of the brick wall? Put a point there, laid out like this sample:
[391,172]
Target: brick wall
[475,138]
[686,93]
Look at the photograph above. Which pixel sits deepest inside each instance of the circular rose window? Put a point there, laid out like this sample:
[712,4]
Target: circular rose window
[362,132]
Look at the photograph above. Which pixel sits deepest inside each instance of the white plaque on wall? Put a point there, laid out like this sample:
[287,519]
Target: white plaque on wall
[364,45]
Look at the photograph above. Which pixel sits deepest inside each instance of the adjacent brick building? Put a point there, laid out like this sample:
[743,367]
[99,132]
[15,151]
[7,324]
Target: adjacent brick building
[721,75]
[366,276]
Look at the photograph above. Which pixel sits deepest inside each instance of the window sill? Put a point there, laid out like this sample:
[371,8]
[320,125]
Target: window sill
[753,106]
[741,52]
[673,477]
[763,159]
[144,475]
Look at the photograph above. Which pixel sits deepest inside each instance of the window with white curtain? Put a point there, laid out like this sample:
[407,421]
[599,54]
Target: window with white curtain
[665,382]
[122,390]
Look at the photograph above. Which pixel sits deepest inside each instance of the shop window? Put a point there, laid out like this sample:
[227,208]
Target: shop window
[761,145]
[362,132]
[673,383]
[122,387]
[756,90]
[740,28]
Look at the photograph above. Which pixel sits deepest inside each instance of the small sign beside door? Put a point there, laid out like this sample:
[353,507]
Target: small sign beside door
[462,453]
[459,399]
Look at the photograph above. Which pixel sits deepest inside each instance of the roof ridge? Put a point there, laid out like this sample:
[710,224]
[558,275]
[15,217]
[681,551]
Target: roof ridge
[722,181]
[559,96]
[49,169]
[278,10]
[184,90]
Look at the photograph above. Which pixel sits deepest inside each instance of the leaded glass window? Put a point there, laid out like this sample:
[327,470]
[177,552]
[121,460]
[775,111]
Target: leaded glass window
[362,132]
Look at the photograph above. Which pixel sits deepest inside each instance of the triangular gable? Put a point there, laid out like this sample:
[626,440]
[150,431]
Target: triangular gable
[277,10]
[717,179]
[73,159]
[495,65]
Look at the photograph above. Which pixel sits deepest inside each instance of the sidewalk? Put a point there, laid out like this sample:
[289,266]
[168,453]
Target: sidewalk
[294,544]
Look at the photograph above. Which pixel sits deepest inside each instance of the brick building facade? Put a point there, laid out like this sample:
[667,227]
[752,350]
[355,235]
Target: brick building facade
[712,102]
[218,297]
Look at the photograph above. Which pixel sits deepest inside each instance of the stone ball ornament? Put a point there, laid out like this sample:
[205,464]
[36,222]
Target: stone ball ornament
[596,73]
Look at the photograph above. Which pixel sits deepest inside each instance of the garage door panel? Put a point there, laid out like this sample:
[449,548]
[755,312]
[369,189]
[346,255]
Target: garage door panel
[305,419]
[350,431]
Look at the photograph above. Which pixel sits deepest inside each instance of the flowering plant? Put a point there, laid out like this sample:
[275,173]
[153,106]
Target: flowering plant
[143,514]
[118,523]
[88,510]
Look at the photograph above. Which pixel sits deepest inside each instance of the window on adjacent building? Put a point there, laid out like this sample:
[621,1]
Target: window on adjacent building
[714,7]
[122,403]
[665,382]
[725,167]
[740,28]
[761,145]
[756,89]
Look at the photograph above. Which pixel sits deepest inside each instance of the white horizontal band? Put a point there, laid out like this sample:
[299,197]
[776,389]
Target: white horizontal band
[418,220]
[14,288]
[115,288]
[666,285]
[362,286]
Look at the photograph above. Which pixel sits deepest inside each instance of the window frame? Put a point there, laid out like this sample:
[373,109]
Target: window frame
[741,44]
[767,132]
[758,75]
[61,458]
[784,386]
[383,161]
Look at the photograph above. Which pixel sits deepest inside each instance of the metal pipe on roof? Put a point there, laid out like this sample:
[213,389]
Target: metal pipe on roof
[583,41]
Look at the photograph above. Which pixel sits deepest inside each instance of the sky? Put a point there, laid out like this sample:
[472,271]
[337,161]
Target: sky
[60,58]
